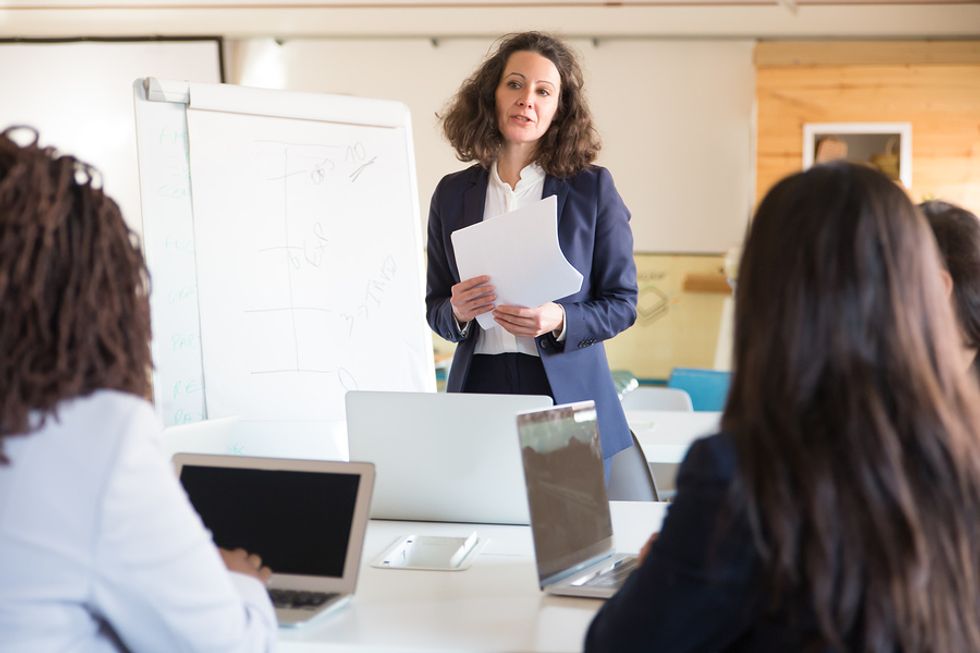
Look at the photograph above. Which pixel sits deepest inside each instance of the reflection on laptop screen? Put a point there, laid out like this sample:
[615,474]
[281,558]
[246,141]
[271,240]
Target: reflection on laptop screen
[565,486]
[298,522]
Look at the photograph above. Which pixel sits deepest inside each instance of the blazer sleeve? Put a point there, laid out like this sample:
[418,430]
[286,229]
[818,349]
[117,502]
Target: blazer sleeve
[439,276]
[696,589]
[612,305]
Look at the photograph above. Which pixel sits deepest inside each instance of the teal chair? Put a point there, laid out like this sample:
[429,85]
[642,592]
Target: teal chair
[708,388]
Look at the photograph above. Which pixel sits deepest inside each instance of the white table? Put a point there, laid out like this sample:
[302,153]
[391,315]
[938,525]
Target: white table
[666,435]
[495,605]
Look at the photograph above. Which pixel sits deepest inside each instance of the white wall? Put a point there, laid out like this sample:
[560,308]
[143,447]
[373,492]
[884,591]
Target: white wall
[675,117]
[79,96]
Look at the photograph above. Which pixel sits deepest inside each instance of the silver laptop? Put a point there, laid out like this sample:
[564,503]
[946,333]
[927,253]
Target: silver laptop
[566,493]
[450,457]
[305,518]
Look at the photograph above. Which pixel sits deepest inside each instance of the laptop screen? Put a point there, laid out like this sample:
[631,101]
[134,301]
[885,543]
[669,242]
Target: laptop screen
[298,522]
[566,487]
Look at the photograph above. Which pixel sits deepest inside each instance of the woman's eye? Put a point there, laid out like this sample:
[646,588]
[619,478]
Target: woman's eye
[544,91]
[513,84]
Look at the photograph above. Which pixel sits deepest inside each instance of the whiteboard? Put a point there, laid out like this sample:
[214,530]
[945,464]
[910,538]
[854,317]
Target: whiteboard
[283,237]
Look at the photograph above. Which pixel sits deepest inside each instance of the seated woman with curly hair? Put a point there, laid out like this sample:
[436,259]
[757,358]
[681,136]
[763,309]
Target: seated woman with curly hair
[100,548]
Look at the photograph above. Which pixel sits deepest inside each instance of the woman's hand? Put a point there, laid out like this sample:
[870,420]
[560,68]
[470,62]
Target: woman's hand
[472,297]
[246,563]
[530,322]
[645,551]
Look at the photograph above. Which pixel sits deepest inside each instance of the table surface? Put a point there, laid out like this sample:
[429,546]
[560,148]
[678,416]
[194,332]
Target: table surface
[666,435]
[495,605]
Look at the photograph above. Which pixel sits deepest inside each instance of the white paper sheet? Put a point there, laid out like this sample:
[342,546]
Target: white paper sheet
[520,252]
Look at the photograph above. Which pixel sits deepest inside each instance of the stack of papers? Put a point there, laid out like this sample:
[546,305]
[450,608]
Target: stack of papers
[519,251]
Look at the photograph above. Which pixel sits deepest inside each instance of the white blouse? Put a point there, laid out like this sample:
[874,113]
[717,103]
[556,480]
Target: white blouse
[100,550]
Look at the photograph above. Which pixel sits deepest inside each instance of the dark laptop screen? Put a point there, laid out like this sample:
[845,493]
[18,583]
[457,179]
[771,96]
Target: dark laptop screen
[566,487]
[299,522]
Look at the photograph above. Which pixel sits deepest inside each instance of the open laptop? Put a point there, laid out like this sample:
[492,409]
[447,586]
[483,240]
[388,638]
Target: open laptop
[305,518]
[449,457]
[566,493]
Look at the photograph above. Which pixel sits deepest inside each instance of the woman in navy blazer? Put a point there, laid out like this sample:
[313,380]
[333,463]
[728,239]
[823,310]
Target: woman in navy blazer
[522,116]
[840,509]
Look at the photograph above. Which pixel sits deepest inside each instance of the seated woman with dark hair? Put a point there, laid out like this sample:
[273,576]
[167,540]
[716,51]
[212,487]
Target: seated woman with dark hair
[100,549]
[839,510]
[957,233]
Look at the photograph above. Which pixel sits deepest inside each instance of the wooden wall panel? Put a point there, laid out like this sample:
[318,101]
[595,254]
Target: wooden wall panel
[941,101]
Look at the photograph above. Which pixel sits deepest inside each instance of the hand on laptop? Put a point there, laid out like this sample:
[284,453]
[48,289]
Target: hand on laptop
[246,563]
[645,551]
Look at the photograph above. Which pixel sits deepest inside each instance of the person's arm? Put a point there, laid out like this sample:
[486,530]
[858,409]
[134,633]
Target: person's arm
[696,589]
[159,582]
[612,307]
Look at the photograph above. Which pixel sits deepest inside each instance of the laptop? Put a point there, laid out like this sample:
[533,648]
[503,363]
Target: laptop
[448,457]
[566,493]
[305,518]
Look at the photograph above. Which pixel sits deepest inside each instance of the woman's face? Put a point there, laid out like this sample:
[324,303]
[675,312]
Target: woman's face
[527,97]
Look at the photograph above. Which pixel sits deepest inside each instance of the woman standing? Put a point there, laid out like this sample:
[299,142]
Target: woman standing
[840,508]
[523,118]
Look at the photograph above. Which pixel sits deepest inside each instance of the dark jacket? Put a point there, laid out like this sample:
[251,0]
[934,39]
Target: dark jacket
[701,587]
[594,234]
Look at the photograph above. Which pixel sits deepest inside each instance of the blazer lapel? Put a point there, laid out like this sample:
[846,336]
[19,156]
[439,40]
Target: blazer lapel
[474,199]
[555,186]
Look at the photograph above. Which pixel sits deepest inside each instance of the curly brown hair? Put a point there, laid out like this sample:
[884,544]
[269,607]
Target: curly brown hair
[470,121]
[74,288]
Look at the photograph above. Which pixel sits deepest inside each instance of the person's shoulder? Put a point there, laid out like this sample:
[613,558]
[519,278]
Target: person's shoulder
[464,177]
[590,174]
[591,179]
[711,460]
[111,403]
[118,414]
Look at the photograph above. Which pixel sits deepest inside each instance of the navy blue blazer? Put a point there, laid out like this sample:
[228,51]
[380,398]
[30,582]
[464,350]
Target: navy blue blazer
[594,234]
[702,586]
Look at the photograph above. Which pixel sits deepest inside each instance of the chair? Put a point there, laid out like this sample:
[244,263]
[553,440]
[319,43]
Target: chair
[650,398]
[629,476]
[708,388]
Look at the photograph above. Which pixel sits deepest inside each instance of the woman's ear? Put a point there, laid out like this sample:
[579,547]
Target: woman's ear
[947,282]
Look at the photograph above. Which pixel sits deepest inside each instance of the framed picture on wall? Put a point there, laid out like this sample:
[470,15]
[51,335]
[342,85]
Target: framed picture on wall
[886,146]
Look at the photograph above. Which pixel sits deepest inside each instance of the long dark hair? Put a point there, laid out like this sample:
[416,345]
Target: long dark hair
[470,121]
[957,233]
[73,289]
[856,429]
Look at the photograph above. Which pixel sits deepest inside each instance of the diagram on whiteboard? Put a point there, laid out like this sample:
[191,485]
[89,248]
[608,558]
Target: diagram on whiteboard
[312,178]
[307,249]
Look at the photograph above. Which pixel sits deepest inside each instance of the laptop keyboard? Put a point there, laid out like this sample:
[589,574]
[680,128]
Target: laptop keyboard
[298,600]
[615,576]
